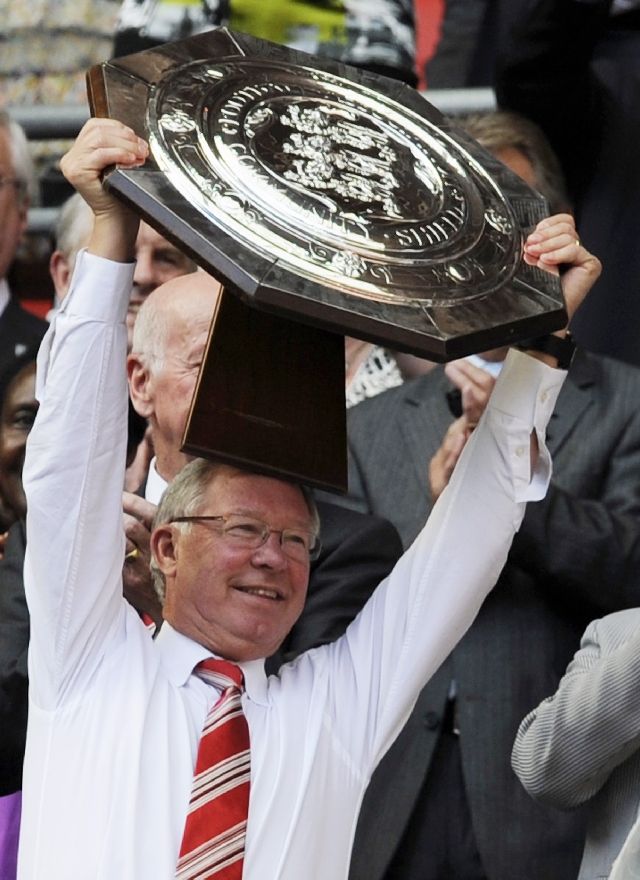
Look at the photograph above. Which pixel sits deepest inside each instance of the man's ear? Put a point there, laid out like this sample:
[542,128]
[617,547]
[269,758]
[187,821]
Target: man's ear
[60,271]
[140,390]
[163,549]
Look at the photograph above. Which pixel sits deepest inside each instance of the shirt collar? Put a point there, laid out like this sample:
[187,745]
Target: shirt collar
[155,485]
[179,656]
[492,367]
[4,294]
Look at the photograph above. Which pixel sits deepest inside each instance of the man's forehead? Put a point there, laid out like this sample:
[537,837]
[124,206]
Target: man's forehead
[149,237]
[253,493]
[193,296]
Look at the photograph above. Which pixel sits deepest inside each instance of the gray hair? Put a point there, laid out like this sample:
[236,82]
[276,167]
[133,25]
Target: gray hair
[185,495]
[150,333]
[73,227]
[21,160]
[501,130]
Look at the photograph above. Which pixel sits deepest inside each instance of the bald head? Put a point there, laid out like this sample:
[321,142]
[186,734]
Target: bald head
[185,302]
[169,341]
[157,261]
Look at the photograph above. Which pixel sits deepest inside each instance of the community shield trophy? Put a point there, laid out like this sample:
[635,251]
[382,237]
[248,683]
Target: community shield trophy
[328,201]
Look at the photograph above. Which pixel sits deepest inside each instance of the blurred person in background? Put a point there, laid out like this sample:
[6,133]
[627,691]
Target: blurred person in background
[19,329]
[18,408]
[157,260]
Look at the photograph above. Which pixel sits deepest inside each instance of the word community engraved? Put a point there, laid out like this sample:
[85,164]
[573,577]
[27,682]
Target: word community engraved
[329,195]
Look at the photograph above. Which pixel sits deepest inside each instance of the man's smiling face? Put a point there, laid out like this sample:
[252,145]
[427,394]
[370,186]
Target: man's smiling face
[237,601]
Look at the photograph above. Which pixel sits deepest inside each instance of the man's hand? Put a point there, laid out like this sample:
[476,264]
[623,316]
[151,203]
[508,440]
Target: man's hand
[138,587]
[443,462]
[138,467]
[475,386]
[101,143]
[555,243]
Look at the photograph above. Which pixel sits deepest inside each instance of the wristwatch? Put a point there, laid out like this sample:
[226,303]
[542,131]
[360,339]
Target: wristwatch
[563,349]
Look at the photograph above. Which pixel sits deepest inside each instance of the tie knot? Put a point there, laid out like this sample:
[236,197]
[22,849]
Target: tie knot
[220,673]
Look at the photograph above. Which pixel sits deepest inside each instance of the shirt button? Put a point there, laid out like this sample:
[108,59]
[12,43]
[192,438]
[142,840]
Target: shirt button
[431,720]
[520,451]
[543,396]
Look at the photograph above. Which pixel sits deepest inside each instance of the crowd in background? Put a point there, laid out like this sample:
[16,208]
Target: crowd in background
[518,761]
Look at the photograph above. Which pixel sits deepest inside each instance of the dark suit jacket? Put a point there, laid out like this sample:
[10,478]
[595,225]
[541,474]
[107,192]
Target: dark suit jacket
[576,556]
[357,553]
[19,330]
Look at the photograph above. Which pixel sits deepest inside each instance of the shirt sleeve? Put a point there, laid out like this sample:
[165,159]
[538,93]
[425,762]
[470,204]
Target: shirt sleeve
[423,608]
[567,748]
[75,452]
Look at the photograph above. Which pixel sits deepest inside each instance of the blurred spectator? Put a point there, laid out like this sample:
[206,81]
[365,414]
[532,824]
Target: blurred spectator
[369,369]
[378,35]
[72,231]
[18,328]
[574,67]
[157,260]
[18,407]
[580,746]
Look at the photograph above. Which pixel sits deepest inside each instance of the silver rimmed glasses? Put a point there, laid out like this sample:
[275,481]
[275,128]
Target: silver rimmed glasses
[246,531]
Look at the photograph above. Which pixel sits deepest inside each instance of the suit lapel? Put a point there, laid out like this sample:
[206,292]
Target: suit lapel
[576,396]
[423,432]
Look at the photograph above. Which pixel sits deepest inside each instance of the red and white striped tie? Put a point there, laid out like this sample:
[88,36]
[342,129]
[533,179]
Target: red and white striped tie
[216,824]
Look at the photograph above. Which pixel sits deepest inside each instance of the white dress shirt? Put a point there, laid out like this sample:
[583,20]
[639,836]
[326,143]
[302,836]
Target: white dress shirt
[5,295]
[155,485]
[115,718]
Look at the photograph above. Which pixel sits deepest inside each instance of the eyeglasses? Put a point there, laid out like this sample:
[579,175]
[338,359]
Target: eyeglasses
[250,533]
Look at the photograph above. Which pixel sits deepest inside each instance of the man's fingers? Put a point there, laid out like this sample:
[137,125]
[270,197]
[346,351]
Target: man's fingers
[138,507]
[463,370]
[556,243]
[137,520]
[444,461]
[452,447]
[101,143]
[556,250]
[135,531]
[475,385]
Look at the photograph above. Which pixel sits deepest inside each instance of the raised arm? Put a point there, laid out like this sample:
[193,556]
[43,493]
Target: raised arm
[553,244]
[74,467]
[416,617]
[419,613]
